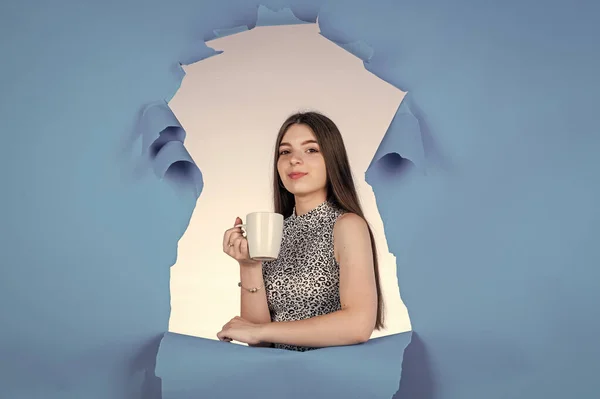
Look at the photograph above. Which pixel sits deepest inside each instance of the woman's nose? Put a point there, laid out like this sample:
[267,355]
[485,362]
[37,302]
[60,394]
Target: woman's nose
[294,159]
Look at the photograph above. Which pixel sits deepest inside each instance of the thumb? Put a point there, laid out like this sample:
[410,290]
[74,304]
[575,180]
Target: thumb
[237,221]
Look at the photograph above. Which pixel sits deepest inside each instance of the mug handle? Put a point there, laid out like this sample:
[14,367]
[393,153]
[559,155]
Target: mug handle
[243,226]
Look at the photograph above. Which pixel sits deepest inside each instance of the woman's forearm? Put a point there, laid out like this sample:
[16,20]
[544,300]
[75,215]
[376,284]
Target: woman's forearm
[344,327]
[253,305]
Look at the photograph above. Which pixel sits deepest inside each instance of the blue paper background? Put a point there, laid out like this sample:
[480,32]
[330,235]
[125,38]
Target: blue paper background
[191,367]
[495,228]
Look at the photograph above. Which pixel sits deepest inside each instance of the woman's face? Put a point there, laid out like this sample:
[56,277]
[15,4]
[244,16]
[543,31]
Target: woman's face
[301,165]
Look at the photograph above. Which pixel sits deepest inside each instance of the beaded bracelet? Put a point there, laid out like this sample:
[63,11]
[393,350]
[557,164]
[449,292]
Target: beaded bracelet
[252,290]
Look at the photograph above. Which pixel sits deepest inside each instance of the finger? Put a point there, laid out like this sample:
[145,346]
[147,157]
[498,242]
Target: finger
[235,323]
[227,237]
[237,245]
[226,326]
[244,248]
[222,335]
[230,236]
[233,250]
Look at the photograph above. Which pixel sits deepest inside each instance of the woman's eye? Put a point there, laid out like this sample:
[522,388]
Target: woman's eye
[310,150]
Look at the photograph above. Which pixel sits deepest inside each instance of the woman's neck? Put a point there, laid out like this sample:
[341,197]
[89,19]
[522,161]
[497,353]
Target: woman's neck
[308,203]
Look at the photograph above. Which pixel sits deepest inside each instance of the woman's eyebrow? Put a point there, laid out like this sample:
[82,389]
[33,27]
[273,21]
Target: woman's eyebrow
[303,143]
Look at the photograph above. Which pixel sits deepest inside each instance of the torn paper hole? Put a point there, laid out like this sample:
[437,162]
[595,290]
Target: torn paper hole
[234,138]
[233,141]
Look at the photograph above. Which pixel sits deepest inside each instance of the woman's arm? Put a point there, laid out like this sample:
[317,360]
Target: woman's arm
[355,322]
[253,305]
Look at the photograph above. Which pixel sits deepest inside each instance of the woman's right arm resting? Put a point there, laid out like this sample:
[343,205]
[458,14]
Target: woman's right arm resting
[253,305]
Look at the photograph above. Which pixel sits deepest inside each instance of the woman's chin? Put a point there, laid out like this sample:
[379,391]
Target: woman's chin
[301,188]
[301,191]
[295,190]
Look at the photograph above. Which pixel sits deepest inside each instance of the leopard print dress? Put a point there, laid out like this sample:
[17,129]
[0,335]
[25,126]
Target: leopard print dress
[303,282]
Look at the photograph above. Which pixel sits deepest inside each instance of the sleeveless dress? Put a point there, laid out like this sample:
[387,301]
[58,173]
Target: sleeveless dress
[303,282]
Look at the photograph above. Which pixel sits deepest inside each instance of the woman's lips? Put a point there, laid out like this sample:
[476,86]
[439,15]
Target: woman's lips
[295,176]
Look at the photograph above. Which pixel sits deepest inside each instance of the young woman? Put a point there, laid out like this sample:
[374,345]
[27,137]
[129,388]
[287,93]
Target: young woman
[323,289]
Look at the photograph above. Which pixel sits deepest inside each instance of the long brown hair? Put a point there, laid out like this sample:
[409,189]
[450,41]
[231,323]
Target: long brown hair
[340,185]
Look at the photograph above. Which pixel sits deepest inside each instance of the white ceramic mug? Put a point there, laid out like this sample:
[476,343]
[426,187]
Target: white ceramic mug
[264,231]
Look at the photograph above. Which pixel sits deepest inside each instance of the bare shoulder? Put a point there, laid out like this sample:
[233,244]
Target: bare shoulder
[350,234]
[350,223]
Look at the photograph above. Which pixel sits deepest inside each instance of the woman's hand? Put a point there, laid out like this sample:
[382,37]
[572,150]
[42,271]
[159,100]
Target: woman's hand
[241,330]
[236,245]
